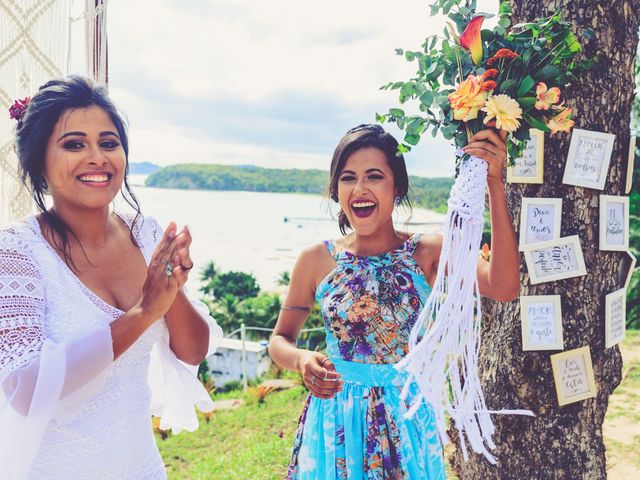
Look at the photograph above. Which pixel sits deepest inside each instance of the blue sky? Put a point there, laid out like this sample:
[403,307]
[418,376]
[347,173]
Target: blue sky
[273,83]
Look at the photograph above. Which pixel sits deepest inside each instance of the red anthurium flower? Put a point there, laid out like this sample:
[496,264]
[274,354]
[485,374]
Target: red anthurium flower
[471,40]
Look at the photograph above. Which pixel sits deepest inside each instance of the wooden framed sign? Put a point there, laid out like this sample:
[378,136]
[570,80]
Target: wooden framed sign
[573,375]
[615,317]
[630,159]
[614,223]
[588,159]
[540,220]
[554,259]
[541,321]
[530,167]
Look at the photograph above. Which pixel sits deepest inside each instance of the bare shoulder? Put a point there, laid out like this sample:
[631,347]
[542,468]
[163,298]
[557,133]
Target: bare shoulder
[427,253]
[313,264]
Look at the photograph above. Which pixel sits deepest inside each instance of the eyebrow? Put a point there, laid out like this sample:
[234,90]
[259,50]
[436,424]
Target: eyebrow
[370,170]
[82,134]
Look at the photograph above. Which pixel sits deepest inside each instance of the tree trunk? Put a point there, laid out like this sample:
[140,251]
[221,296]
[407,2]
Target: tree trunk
[564,442]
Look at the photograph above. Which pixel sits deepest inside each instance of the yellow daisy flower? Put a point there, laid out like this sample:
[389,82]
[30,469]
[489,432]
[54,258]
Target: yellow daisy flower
[505,110]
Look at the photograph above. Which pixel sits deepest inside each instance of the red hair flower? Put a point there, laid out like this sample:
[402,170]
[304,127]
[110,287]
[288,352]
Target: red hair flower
[18,109]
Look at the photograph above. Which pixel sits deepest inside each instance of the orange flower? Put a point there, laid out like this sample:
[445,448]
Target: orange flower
[365,307]
[546,97]
[486,253]
[502,53]
[468,99]
[488,86]
[472,40]
[561,122]
[489,74]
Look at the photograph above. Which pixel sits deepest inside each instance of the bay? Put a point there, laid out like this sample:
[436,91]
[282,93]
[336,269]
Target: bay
[254,232]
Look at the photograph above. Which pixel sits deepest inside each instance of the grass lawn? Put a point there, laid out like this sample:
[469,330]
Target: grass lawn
[254,441]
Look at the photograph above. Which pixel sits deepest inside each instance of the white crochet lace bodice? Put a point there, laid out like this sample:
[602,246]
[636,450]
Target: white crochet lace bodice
[103,435]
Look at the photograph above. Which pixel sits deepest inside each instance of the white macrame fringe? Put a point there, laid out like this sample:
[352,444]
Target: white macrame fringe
[445,342]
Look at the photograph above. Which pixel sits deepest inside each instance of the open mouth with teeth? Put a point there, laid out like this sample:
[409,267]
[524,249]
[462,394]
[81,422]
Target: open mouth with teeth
[95,179]
[363,209]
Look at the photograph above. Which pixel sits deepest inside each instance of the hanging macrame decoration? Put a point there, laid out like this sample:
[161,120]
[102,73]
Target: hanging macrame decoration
[506,80]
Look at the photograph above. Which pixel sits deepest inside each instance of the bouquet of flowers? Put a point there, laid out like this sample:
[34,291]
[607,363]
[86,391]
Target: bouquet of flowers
[514,78]
[509,80]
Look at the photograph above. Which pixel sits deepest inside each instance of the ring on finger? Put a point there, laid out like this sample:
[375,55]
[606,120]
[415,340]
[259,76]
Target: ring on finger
[186,268]
[324,360]
[326,374]
[313,380]
[168,269]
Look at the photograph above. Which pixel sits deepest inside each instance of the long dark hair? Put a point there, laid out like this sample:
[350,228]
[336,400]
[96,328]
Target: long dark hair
[33,132]
[369,136]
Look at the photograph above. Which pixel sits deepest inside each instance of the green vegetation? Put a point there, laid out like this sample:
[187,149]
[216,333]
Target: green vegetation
[430,193]
[255,440]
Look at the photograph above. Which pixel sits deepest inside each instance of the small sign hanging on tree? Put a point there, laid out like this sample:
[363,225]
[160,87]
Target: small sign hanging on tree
[573,375]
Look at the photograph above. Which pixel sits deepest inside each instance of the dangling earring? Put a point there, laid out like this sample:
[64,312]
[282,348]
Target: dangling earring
[43,184]
[397,201]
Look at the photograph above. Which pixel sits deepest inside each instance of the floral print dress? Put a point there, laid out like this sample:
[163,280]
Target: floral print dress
[369,305]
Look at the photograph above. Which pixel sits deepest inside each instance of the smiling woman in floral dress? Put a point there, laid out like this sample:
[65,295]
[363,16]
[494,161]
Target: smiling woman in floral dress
[371,286]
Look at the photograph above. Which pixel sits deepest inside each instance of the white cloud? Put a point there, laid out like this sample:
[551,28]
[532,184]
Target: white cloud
[274,83]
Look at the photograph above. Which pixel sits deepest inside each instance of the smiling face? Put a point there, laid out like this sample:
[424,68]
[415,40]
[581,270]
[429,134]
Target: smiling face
[84,160]
[366,190]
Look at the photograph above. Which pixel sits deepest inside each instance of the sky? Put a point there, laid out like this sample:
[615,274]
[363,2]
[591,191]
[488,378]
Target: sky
[271,83]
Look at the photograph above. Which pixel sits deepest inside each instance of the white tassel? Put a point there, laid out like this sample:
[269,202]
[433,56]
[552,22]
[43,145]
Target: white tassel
[445,341]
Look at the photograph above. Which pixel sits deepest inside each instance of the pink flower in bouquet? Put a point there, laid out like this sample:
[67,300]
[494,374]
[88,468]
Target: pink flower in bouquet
[505,110]
[561,122]
[467,100]
[471,39]
[546,97]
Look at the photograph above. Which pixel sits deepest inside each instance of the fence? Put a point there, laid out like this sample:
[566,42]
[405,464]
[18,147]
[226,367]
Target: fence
[243,336]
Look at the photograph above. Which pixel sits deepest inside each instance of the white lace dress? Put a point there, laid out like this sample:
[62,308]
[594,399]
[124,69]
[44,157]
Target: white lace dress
[67,410]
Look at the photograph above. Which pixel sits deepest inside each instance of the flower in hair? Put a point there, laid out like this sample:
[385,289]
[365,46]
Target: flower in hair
[18,109]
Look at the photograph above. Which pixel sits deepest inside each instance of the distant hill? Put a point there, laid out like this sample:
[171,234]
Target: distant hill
[143,168]
[431,193]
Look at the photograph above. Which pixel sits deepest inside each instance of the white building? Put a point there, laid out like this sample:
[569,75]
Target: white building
[225,365]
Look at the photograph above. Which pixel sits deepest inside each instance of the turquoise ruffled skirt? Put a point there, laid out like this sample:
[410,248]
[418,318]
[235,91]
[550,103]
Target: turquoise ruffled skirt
[362,432]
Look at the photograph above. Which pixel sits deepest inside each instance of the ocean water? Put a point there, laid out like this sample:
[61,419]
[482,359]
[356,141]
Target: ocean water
[258,233]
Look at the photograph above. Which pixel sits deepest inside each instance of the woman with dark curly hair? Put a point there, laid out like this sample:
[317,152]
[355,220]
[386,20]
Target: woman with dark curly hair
[95,328]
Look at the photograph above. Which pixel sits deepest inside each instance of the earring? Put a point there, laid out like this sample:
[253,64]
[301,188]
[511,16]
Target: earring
[43,184]
[397,201]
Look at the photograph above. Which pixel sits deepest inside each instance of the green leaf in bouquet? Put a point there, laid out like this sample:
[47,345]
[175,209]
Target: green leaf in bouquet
[507,87]
[399,51]
[505,8]
[416,126]
[527,102]
[396,112]
[548,72]
[380,118]
[435,73]
[406,91]
[427,98]
[434,131]
[522,133]
[504,22]
[410,56]
[525,85]
[402,148]
[412,138]
[535,123]
[449,130]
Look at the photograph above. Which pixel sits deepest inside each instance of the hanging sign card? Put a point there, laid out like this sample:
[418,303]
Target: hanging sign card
[530,167]
[541,320]
[540,220]
[614,223]
[573,375]
[588,159]
[615,317]
[554,259]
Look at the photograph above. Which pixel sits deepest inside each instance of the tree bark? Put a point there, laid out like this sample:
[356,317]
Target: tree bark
[564,442]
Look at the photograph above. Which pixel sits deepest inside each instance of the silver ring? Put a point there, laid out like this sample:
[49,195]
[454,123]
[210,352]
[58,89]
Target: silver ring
[313,380]
[326,374]
[168,270]
[324,360]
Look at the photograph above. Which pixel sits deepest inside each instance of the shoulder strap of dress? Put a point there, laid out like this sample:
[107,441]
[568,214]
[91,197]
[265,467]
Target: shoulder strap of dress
[331,247]
[412,242]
